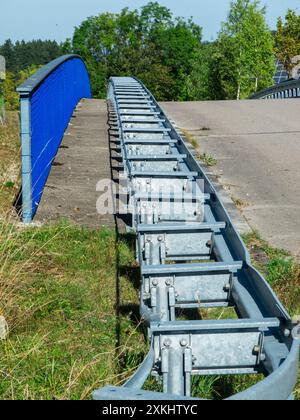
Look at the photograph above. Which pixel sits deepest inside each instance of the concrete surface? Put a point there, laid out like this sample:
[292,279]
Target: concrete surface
[257,146]
[82,160]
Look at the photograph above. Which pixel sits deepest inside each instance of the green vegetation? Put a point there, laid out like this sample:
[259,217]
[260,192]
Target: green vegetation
[9,161]
[21,55]
[167,53]
[283,273]
[69,310]
[206,158]
[244,51]
[69,297]
[203,81]
[10,83]
[149,44]
[68,294]
[287,40]
[189,138]
[281,270]
[22,60]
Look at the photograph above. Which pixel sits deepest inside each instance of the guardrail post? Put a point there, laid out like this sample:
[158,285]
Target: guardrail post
[26,158]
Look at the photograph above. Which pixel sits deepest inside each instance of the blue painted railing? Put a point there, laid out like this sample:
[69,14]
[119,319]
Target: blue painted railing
[47,101]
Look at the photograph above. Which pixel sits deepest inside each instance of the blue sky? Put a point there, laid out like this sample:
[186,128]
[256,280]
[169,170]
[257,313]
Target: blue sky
[56,19]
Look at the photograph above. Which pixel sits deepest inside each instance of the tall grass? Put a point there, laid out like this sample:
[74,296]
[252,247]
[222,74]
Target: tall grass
[67,308]
[67,333]
[9,160]
[283,273]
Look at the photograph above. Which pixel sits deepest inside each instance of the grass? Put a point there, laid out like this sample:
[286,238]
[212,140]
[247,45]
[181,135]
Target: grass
[190,138]
[206,158]
[282,271]
[69,296]
[70,313]
[9,160]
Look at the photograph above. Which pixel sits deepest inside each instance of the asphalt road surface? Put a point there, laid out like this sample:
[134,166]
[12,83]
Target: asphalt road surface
[257,147]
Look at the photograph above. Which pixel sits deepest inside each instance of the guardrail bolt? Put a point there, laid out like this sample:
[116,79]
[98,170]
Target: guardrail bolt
[263,357]
[256,350]
[209,244]
[183,342]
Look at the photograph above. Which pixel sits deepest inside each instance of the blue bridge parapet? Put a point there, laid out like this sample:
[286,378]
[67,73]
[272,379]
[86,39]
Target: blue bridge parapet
[47,101]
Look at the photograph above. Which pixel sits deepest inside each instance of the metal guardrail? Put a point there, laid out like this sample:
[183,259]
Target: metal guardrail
[47,101]
[192,257]
[285,90]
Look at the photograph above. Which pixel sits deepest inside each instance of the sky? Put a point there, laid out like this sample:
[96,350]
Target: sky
[56,19]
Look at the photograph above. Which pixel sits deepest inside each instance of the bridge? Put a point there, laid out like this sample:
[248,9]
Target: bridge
[191,255]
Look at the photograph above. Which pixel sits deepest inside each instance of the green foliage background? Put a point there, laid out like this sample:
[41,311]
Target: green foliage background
[287,39]
[167,53]
[150,44]
[22,60]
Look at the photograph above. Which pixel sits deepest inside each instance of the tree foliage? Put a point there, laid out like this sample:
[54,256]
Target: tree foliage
[245,55]
[203,81]
[22,60]
[287,39]
[9,84]
[22,55]
[150,44]
[167,53]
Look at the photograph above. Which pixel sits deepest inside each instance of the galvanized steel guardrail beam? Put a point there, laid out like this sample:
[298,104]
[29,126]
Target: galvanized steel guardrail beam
[192,257]
[285,90]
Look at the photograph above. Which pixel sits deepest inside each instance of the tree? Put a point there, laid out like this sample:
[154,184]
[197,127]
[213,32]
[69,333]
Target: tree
[7,50]
[287,40]
[10,83]
[22,55]
[149,44]
[245,50]
[154,16]
[8,91]
[177,48]
[203,81]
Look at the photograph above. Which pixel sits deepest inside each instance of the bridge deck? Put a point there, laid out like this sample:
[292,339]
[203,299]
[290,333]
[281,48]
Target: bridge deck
[82,160]
[257,146]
